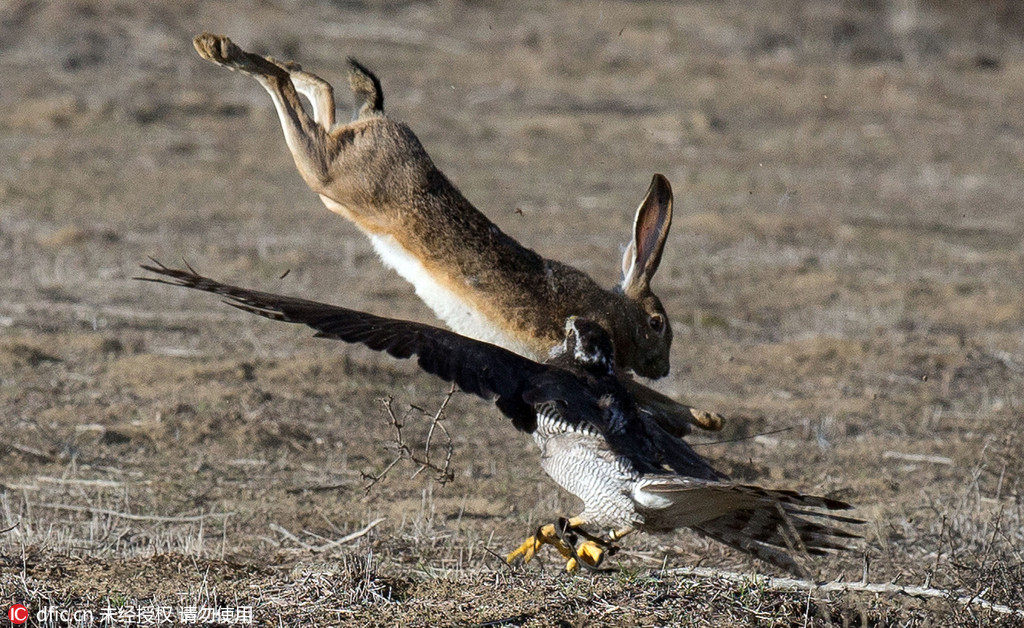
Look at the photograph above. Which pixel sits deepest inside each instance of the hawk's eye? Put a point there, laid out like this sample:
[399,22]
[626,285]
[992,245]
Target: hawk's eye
[657,322]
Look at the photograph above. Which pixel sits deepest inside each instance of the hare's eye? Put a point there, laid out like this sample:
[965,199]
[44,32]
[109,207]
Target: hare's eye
[657,322]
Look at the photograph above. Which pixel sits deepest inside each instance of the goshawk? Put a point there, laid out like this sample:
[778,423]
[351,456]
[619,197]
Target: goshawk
[629,472]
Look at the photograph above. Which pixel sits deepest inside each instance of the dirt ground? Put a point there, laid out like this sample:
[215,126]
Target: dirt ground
[844,278]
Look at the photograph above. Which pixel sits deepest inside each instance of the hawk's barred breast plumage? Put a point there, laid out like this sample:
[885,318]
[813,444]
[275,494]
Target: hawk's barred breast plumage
[578,459]
[630,473]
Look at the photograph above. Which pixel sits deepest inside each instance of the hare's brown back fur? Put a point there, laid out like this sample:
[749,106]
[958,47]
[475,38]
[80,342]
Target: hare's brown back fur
[399,198]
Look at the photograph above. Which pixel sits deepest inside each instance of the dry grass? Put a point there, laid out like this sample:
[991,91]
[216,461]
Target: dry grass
[844,278]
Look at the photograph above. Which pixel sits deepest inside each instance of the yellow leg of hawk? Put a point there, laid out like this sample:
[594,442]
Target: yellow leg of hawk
[589,552]
[545,535]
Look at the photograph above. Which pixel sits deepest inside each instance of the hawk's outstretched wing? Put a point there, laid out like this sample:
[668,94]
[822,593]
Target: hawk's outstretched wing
[477,367]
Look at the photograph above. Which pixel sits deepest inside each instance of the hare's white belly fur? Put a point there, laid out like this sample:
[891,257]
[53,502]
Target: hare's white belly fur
[460,315]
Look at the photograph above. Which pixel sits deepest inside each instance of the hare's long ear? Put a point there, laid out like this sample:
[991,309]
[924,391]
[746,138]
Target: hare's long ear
[650,229]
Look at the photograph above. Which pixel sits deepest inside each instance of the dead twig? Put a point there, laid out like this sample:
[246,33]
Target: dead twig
[442,471]
[326,546]
[288,535]
[899,455]
[316,489]
[793,585]
[32,452]
[351,537]
[82,482]
[742,438]
[501,559]
[131,517]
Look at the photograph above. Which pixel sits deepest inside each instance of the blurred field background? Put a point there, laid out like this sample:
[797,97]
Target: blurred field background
[844,277]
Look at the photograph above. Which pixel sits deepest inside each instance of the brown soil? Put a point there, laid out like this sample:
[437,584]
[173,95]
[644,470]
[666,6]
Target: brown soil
[844,275]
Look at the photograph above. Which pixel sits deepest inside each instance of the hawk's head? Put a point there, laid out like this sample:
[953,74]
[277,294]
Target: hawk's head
[589,345]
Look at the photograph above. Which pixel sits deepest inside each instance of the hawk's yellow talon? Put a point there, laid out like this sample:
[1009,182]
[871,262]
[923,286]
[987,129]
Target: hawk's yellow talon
[590,553]
[545,535]
[525,551]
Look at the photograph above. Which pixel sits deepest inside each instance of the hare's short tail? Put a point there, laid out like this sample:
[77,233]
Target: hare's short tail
[366,86]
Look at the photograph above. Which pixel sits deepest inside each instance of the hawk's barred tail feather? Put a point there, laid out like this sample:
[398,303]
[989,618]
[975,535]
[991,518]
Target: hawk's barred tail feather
[773,525]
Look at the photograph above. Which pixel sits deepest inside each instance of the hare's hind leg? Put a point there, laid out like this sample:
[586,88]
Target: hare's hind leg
[307,137]
[318,91]
[222,51]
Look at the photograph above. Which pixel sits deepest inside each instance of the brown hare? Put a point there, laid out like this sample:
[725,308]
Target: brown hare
[478,280]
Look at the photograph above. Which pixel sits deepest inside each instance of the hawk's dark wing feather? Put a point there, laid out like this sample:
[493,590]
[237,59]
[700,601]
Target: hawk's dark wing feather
[515,383]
